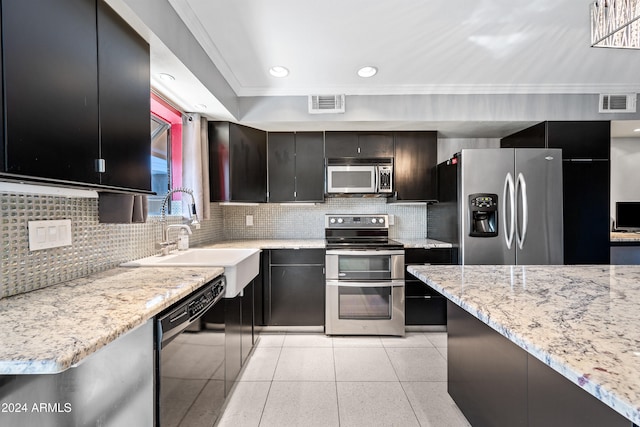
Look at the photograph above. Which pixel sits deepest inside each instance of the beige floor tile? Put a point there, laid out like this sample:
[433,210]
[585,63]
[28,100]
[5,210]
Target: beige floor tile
[418,364]
[261,366]
[245,405]
[307,340]
[363,364]
[433,406]
[370,404]
[438,339]
[305,404]
[347,341]
[305,364]
[410,340]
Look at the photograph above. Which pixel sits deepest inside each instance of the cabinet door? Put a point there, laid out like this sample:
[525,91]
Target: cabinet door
[586,212]
[340,144]
[247,321]
[282,166]
[423,305]
[375,144]
[237,163]
[415,165]
[123,58]
[580,140]
[297,295]
[532,137]
[309,167]
[51,88]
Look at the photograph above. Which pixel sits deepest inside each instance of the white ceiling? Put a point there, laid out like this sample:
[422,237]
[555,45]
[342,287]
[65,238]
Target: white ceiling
[419,47]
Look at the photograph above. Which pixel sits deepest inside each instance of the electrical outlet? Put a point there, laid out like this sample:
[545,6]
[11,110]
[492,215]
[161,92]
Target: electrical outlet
[49,234]
[249,220]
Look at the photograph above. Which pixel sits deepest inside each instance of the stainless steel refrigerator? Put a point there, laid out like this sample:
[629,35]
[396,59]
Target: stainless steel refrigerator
[501,206]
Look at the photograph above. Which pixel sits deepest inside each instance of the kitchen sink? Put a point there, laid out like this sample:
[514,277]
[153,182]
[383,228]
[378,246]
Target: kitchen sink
[240,265]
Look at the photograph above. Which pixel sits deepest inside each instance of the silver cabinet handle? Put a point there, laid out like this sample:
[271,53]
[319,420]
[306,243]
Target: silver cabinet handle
[521,184]
[509,226]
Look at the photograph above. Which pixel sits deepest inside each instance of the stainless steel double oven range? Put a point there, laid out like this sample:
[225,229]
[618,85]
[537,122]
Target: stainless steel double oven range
[364,277]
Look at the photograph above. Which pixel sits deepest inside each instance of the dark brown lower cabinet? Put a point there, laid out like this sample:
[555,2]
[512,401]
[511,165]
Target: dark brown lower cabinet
[423,305]
[496,383]
[295,290]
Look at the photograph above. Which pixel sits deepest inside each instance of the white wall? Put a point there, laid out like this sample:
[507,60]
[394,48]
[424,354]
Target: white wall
[625,171]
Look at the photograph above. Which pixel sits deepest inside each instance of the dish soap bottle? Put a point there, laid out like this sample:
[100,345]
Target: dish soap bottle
[183,240]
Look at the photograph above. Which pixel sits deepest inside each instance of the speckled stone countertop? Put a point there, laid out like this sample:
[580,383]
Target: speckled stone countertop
[582,321]
[314,244]
[49,330]
[625,237]
[423,243]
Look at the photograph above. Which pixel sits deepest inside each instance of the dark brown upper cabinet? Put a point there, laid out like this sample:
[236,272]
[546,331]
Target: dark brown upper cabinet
[74,74]
[358,144]
[124,78]
[415,161]
[237,163]
[296,166]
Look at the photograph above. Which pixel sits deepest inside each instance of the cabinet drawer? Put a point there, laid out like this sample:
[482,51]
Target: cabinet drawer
[297,256]
[425,311]
[427,256]
[414,287]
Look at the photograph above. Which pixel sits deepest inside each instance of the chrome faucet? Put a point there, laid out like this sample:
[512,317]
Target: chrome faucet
[166,245]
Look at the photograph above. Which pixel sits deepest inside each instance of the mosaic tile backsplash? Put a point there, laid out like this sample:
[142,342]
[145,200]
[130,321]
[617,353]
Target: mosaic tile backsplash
[97,247]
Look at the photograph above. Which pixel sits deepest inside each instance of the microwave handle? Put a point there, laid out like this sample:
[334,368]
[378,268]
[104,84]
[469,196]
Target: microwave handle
[376,179]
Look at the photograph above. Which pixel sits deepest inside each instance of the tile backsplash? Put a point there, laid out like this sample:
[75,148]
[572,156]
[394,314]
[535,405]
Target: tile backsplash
[97,247]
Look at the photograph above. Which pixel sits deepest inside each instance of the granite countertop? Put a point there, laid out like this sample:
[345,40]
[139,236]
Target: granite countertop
[314,244]
[423,243]
[582,321]
[49,330]
[270,244]
[625,237]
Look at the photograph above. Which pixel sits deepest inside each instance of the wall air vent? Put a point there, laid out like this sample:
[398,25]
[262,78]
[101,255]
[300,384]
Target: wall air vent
[326,104]
[618,103]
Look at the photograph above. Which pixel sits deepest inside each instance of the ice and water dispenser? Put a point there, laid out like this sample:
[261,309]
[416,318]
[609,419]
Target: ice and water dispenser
[483,215]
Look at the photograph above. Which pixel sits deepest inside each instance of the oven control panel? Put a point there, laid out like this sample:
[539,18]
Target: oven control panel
[356,221]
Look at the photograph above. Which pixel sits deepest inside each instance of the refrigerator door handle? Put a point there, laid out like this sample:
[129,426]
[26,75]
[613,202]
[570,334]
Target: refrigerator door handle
[510,227]
[521,184]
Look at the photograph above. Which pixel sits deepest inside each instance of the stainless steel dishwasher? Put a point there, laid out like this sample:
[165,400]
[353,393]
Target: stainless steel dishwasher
[190,368]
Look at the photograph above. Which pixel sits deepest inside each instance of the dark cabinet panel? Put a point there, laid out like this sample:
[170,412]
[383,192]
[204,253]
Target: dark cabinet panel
[586,212]
[487,373]
[375,144]
[340,144]
[51,88]
[423,305]
[358,144]
[415,163]
[282,166]
[237,162]
[247,321]
[296,166]
[309,167]
[296,288]
[125,143]
[533,137]
[580,140]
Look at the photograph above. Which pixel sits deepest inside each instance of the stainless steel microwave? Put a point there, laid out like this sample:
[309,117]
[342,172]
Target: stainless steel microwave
[361,177]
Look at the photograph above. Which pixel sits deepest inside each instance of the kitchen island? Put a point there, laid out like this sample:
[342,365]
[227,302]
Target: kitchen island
[579,321]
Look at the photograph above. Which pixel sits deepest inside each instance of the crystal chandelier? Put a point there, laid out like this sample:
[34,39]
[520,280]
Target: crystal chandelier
[615,23]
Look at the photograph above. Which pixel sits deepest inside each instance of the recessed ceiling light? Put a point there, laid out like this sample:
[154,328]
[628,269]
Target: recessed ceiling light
[368,71]
[637,130]
[278,71]
[166,77]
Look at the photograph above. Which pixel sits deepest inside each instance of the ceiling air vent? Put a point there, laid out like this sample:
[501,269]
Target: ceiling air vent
[324,104]
[619,103]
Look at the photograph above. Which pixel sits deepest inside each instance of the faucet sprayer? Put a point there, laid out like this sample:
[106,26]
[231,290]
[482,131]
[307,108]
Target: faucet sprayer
[194,216]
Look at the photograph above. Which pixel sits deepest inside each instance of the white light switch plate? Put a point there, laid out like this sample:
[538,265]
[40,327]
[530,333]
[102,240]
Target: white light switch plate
[49,234]
[249,220]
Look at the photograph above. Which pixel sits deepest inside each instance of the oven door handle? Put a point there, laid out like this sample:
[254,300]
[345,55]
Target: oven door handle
[367,252]
[352,284]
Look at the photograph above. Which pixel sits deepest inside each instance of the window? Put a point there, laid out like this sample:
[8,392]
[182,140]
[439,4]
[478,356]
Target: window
[166,152]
